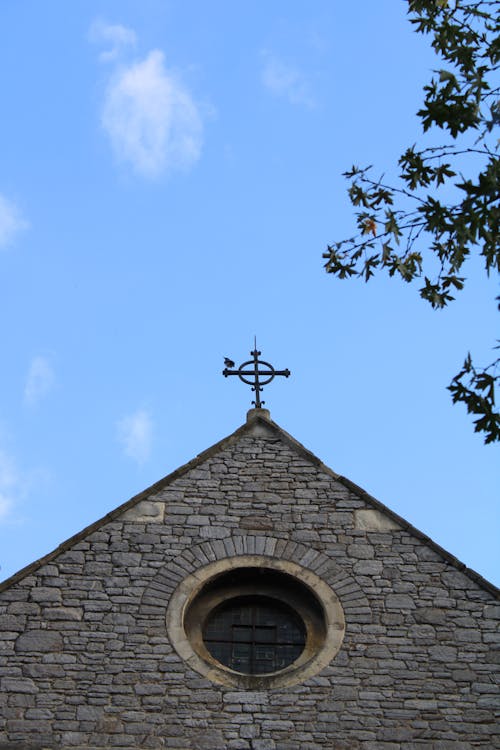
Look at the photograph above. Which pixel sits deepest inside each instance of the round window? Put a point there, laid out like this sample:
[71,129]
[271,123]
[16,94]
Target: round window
[255,622]
[254,635]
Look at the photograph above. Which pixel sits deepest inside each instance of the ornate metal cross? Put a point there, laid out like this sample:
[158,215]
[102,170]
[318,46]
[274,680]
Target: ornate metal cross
[258,375]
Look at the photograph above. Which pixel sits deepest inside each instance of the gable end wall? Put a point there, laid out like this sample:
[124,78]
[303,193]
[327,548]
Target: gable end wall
[86,660]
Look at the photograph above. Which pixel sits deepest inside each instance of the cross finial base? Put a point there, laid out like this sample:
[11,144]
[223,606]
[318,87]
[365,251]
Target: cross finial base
[254,413]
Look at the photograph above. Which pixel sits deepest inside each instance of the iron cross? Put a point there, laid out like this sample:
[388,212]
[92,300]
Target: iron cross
[258,373]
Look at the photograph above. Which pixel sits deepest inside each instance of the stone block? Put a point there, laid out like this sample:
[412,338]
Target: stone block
[360,551]
[46,594]
[43,671]
[18,685]
[373,520]
[257,523]
[88,713]
[443,653]
[11,623]
[368,568]
[246,696]
[422,704]
[400,602]
[431,615]
[126,559]
[61,614]
[39,640]
[214,532]
[146,511]
[277,725]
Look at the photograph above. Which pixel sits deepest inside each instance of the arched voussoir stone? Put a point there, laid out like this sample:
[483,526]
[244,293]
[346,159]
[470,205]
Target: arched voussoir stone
[167,579]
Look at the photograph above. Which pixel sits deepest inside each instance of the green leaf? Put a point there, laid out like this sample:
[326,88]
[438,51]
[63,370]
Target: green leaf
[437,220]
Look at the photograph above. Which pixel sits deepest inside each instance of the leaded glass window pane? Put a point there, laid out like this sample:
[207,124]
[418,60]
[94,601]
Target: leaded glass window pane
[254,635]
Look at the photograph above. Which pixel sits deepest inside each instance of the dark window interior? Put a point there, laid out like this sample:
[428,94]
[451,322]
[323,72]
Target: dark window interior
[254,634]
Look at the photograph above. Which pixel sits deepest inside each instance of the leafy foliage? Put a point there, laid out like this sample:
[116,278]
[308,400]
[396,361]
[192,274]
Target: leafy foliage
[427,224]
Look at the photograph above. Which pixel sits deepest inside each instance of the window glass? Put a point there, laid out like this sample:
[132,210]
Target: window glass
[254,635]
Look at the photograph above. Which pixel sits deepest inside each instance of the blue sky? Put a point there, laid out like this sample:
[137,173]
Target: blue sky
[170,176]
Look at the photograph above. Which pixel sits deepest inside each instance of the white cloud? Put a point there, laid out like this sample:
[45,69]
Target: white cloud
[286,81]
[11,221]
[135,433]
[39,380]
[9,484]
[116,36]
[151,119]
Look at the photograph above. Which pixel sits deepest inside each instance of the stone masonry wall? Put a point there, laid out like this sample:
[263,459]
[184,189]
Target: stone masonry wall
[86,661]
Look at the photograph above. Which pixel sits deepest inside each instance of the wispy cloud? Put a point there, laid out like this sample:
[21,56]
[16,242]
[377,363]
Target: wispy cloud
[39,380]
[11,221]
[17,484]
[9,484]
[135,433]
[117,37]
[286,81]
[151,118]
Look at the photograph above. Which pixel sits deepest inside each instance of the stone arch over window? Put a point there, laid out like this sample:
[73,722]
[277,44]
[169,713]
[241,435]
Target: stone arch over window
[166,580]
[318,594]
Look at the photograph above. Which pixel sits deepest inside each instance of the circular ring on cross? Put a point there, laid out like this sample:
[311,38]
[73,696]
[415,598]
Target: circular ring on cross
[266,375]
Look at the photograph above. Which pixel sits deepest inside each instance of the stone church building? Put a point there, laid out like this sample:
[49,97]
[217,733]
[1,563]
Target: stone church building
[251,600]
